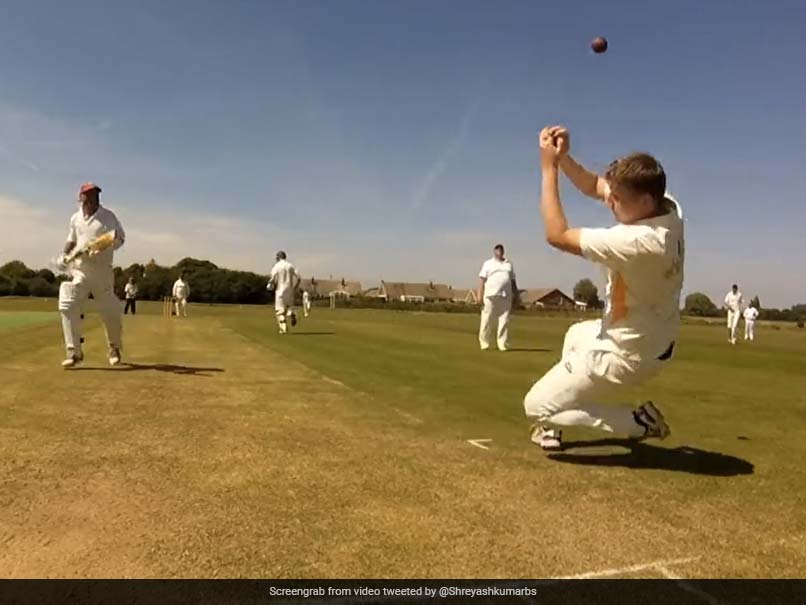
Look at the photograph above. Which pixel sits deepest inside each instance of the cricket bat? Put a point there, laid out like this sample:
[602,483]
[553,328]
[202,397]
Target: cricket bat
[102,242]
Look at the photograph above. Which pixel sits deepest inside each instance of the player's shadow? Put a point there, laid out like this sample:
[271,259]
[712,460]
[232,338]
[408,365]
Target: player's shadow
[158,367]
[312,333]
[682,459]
[528,350]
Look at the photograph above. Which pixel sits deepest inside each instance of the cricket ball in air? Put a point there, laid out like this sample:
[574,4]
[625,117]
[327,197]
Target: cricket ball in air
[599,45]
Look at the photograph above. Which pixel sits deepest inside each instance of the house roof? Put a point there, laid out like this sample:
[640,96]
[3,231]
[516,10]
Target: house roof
[323,287]
[426,291]
[535,295]
[464,295]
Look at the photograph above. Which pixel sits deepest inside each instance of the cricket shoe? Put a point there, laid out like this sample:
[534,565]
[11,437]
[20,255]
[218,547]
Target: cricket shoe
[72,360]
[114,356]
[293,320]
[550,440]
[651,418]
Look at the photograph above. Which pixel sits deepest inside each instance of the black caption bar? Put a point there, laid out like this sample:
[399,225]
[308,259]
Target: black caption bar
[392,592]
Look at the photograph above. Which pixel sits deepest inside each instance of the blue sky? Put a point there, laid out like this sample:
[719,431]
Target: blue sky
[397,140]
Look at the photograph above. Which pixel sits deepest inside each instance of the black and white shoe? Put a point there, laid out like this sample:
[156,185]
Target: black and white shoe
[550,440]
[651,418]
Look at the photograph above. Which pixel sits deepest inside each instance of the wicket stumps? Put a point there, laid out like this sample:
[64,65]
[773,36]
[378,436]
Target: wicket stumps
[167,306]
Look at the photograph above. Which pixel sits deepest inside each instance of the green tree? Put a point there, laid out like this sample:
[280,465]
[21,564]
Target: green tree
[585,291]
[40,287]
[755,302]
[17,270]
[47,275]
[699,305]
[19,287]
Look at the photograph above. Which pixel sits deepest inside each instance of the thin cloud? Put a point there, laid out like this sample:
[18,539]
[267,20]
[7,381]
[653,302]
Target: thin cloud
[18,159]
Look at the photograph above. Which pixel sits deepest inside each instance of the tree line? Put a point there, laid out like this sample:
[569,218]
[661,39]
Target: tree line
[698,304]
[208,282]
[212,284]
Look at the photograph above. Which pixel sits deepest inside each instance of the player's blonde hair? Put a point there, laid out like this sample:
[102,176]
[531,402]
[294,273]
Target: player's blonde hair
[639,172]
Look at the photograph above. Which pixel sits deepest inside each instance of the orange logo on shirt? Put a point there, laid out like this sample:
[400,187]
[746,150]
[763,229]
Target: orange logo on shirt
[618,298]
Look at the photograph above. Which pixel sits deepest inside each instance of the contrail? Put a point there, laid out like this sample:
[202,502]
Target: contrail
[19,160]
[454,145]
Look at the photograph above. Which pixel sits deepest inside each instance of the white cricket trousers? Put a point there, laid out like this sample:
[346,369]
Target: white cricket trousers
[495,318]
[283,309]
[100,282]
[733,323]
[306,306]
[569,393]
[749,329]
[182,303]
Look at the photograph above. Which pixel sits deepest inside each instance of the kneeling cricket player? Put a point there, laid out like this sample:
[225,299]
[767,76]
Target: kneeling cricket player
[643,258]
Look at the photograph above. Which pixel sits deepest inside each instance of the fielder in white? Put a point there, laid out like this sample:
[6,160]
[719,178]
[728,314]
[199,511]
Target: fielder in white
[181,293]
[130,293]
[92,274]
[284,280]
[750,317]
[734,303]
[643,257]
[497,290]
[306,303]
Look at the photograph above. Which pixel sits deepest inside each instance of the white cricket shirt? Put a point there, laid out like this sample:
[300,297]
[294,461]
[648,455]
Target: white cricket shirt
[644,264]
[131,291]
[734,301]
[83,230]
[181,289]
[750,314]
[283,275]
[498,275]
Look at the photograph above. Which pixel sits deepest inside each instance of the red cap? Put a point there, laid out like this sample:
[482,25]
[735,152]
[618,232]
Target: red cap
[87,187]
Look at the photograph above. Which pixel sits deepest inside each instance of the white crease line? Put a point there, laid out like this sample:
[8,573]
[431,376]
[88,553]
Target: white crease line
[630,569]
[668,573]
[331,381]
[479,443]
[407,416]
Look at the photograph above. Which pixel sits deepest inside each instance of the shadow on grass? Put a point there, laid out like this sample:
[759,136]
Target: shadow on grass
[311,333]
[156,367]
[683,459]
[527,350]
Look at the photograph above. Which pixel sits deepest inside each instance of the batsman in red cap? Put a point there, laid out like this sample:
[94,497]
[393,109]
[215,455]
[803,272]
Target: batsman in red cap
[92,274]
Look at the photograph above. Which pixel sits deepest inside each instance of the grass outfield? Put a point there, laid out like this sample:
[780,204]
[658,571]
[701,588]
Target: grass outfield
[226,450]
[19,319]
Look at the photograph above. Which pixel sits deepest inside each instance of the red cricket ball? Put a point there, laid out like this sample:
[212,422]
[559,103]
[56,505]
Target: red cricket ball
[599,45]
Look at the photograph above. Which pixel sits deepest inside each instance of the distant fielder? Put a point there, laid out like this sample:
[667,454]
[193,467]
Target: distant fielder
[306,303]
[734,303]
[94,234]
[750,317]
[130,293]
[497,291]
[643,256]
[181,293]
[284,280]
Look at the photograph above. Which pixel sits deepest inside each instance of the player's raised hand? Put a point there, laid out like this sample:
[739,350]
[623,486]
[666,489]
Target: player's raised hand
[562,139]
[549,152]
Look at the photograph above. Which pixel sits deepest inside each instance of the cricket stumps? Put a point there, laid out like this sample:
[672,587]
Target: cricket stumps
[167,306]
